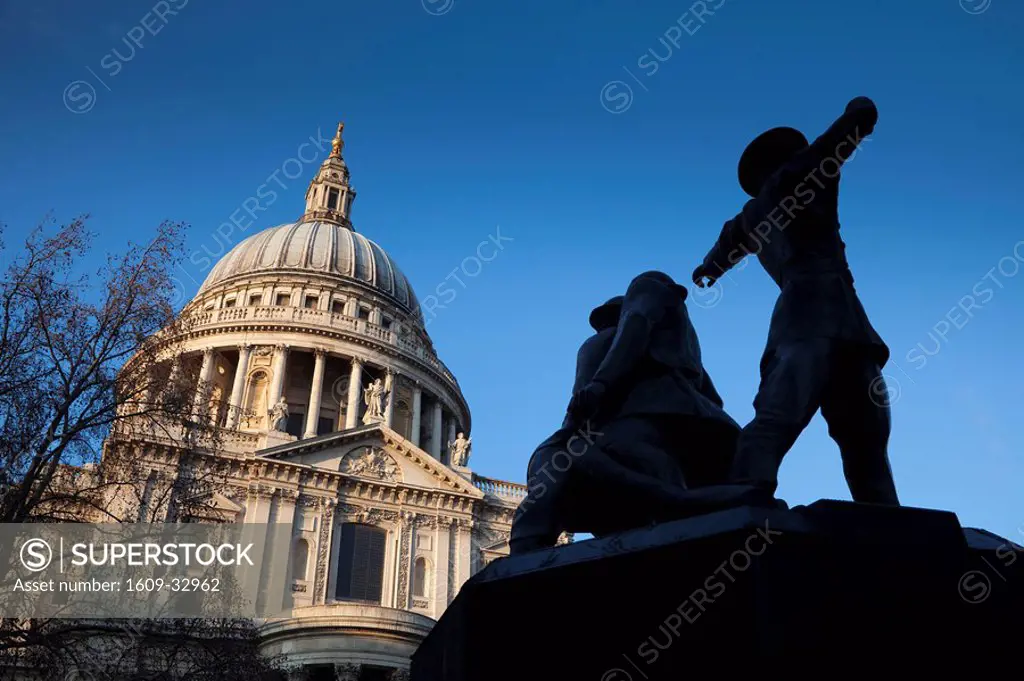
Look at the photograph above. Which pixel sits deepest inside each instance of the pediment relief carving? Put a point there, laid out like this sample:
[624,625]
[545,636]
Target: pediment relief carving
[369,461]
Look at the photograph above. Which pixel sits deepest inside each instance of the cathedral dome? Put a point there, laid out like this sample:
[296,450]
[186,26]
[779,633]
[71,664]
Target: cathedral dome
[316,247]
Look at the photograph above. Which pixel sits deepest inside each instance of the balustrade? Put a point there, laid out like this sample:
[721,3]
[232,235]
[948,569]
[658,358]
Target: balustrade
[500,488]
[409,344]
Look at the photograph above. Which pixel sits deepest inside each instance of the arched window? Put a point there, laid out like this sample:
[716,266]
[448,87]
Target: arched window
[300,559]
[360,574]
[419,578]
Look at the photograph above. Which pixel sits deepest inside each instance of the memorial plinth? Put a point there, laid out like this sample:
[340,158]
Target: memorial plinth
[853,586]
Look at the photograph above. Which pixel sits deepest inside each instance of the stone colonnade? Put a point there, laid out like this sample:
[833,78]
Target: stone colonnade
[443,423]
[342,671]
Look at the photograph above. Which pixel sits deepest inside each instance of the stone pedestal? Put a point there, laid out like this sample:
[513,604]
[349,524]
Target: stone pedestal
[273,438]
[464,471]
[833,587]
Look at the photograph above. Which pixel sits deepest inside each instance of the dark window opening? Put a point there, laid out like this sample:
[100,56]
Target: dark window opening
[283,299]
[338,306]
[296,422]
[375,673]
[229,302]
[332,198]
[320,672]
[324,426]
[311,302]
[364,313]
[385,324]
[255,299]
[361,563]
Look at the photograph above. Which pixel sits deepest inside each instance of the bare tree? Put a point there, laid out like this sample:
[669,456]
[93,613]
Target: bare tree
[89,378]
[86,358]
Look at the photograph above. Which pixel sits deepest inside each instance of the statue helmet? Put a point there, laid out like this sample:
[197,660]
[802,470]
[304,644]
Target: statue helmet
[765,154]
[606,315]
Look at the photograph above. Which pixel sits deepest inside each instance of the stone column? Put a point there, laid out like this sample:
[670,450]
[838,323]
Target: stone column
[238,386]
[389,410]
[315,393]
[436,434]
[350,307]
[346,671]
[205,376]
[277,385]
[442,555]
[355,389]
[464,553]
[452,429]
[275,569]
[417,404]
[297,673]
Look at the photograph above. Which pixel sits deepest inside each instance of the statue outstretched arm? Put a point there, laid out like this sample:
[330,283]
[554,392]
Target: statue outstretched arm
[842,138]
[735,242]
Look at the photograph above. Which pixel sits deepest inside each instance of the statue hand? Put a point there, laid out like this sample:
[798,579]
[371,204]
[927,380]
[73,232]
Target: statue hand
[586,402]
[700,274]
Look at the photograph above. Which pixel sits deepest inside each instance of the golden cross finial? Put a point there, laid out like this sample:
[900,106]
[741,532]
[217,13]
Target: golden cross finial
[337,143]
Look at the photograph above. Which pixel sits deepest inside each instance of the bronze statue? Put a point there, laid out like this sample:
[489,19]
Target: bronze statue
[540,518]
[822,351]
[644,424]
[651,390]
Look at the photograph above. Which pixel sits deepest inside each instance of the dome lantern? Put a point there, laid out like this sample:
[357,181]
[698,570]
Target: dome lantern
[330,196]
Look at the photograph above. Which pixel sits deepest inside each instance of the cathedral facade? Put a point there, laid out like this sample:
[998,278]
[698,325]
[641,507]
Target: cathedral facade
[340,421]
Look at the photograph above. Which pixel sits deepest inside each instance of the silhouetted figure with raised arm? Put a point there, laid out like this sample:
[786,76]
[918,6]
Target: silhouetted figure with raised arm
[822,351]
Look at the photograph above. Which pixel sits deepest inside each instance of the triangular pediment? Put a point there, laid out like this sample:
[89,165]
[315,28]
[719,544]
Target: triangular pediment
[374,453]
[496,547]
[213,506]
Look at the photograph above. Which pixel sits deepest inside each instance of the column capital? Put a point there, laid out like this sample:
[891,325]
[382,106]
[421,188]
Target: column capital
[208,350]
[319,352]
[282,347]
[346,671]
[244,347]
[356,361]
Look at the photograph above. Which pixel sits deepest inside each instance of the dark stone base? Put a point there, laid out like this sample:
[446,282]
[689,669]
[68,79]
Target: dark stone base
[849,586]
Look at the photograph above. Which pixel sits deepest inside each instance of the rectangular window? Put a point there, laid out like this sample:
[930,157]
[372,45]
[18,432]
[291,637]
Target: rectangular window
[385,324]
[255,299]
[229,302]
[338,306]
[311,302]
[361,562]
[332,198]
[364,313]
[283,299]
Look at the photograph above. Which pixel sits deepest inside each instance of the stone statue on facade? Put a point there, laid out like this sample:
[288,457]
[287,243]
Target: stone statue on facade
[644,433]
[458,450]
[375,397]
[279,415]
[822,351]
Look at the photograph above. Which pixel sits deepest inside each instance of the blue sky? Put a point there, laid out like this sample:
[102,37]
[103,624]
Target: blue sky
[465,116]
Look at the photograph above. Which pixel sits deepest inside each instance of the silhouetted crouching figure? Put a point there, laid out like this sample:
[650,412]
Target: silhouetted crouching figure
[651,395]
[822,351]
[644,418]
[543,515]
